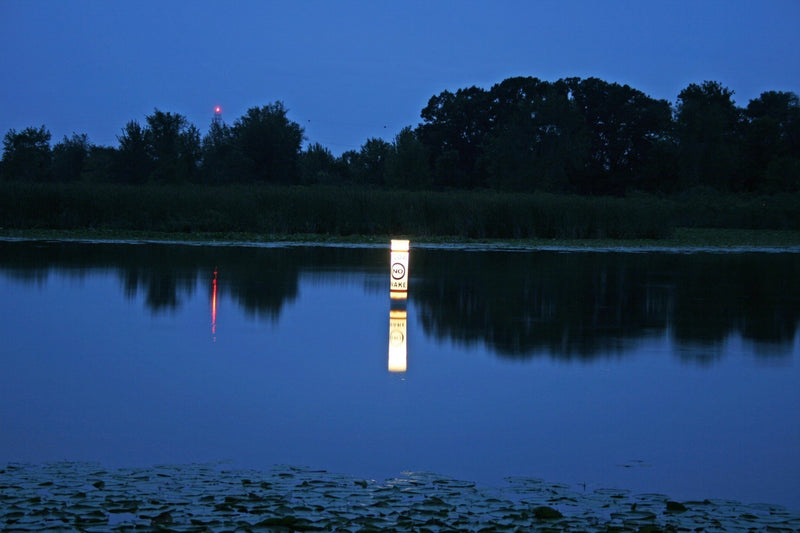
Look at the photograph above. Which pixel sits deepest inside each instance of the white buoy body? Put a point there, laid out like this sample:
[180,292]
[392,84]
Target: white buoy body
[398,270]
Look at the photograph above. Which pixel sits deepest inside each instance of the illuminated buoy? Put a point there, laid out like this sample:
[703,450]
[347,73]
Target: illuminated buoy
[398,295]
[398,271]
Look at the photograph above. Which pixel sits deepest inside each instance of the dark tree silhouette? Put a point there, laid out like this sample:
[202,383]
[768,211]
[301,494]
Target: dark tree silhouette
[70,156]
[269,144]
[369,165]
[220,155]
[318,165]
[772,142]
[173,145]
[573,135]
[708,125]
[538,139]
[133,163]
[407,166]
[623,125]
[26,155]
[455,129]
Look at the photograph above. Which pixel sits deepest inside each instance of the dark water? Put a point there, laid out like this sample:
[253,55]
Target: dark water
[656,372]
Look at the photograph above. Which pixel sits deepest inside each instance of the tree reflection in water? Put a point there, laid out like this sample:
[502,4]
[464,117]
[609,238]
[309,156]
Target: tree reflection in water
[520,304]
[584,304]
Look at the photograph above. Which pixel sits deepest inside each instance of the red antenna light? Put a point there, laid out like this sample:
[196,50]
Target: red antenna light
[217,118]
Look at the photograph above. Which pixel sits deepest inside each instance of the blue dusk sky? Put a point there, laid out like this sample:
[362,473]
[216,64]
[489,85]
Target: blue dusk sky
[351,70]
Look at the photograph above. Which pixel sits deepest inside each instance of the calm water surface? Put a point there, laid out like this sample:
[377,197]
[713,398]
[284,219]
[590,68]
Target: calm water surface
[655,372]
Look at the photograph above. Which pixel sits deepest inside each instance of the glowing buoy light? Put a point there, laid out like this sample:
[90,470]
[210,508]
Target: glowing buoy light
[398,271]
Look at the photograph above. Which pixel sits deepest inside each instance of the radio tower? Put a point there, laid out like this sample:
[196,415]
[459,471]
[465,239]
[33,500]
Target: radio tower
[217,116]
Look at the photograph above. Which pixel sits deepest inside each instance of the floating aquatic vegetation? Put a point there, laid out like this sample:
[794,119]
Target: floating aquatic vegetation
[210,498]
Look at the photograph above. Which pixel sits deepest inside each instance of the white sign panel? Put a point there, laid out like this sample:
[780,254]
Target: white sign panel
[398,271]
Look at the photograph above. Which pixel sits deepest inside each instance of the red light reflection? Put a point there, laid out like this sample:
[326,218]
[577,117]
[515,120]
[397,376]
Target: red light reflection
[214,305]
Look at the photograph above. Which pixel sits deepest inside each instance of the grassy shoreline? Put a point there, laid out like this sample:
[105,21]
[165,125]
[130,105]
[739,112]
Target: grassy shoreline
[681,239]
[263,212]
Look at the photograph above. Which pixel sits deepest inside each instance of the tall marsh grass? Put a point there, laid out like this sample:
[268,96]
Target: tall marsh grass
[363,211]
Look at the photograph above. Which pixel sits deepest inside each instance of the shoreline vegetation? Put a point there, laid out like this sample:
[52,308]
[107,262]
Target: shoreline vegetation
[527,160]
[683,240]
[358,215]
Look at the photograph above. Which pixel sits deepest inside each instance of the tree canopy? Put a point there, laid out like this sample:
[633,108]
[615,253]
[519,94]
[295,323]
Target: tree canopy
[26,154]
[268,144]
[585,136]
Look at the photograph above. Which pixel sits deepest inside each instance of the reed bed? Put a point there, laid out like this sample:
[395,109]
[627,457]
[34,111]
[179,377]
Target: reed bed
[346,211]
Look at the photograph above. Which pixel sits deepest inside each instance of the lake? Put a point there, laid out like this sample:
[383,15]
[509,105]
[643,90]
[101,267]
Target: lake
[676,373]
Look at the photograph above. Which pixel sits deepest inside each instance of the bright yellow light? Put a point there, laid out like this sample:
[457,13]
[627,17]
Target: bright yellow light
[398,295]
[399,245]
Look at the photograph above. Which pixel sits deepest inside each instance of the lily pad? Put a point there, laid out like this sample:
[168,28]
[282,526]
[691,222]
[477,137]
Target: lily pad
[675,507]
[546,513]
[188,498]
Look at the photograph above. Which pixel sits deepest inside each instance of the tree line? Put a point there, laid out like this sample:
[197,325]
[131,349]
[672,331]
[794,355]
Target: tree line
[584,136]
